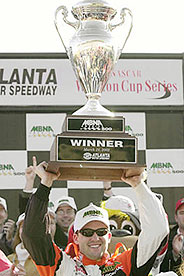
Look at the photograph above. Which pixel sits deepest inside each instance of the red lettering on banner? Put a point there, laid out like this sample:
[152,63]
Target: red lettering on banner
[159,86]
[136,87]
[127,73]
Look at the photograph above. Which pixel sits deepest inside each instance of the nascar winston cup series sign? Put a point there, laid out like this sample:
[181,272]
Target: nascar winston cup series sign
[52,82]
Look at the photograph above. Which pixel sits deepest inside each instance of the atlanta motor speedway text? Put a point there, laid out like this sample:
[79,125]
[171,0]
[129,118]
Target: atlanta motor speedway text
[29,90]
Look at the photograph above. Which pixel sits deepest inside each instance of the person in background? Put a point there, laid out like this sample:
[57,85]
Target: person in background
[21,256]
[7,228]
[65,209]
[175,252]
[9,269]
[92,234]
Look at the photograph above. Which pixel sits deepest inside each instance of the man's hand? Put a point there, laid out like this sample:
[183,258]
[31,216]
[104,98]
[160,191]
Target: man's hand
[133,176]
[46,177]
[30,177]
[8,228]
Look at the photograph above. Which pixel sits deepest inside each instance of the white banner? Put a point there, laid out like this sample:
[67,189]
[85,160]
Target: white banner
[41,129]
[165,168]
[53,82]
[12,169]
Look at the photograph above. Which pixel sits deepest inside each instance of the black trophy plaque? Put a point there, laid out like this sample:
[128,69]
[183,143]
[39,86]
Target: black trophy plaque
[93,148]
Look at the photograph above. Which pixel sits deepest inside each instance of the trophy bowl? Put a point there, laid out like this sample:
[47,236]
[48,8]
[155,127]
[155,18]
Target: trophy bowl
[93,40]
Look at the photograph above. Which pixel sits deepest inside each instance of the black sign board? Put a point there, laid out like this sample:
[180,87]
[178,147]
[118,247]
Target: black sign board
[92,149]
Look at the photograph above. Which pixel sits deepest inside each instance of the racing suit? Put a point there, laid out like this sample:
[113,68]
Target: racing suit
[51,260]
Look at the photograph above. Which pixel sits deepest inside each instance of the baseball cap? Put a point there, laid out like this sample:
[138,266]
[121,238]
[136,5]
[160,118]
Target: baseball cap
[88,214]
[119,202]
[65,200]
[20,218]
[179,203]
[3,203]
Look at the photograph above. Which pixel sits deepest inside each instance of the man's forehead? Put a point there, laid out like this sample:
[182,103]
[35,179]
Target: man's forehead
[64,206]
[95,224]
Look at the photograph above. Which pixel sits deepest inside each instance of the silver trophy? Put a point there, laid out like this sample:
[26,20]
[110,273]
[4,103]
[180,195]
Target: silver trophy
[93,39]
[93,144]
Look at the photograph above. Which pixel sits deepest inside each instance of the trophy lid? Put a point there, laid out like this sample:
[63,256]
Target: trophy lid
[93,9]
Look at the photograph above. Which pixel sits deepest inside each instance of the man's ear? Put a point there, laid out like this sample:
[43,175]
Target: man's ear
[75,238]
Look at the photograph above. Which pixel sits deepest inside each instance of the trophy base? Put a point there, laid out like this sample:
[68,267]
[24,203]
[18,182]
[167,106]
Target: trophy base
[74,172]
[93,108]
[95,148]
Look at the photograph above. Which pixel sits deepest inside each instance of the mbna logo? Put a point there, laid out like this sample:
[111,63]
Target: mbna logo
[42,131]
[94,125]
[6,169]
[161,167]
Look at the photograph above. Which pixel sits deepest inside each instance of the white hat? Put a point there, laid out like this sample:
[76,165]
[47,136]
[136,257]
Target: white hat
[119,202]
[20,218]
[3,203]
[88,214]
[65,200]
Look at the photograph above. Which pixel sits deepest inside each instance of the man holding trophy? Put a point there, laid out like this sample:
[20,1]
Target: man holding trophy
[92,234]
[93,49]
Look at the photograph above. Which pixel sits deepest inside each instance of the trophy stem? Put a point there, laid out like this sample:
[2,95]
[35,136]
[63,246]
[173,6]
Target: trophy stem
[94,108]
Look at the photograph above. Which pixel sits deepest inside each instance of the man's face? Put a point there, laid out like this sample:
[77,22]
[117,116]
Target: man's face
[95,246]
[179,217]
[65,216]
[3,215]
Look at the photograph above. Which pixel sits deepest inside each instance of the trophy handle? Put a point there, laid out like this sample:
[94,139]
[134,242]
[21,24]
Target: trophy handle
[64,12]
[124,12]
